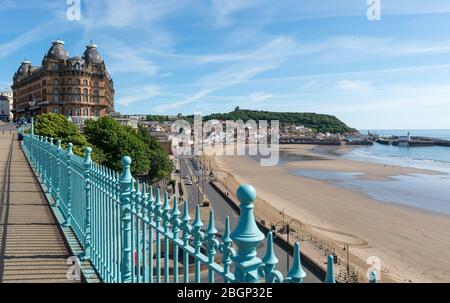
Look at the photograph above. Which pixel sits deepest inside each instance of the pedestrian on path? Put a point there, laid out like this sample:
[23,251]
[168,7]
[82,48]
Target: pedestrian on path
[20,139]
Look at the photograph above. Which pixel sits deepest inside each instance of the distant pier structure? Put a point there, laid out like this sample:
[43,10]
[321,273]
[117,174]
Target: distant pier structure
[411,141]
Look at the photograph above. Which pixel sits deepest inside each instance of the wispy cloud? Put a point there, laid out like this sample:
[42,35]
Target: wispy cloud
[223,10]
[259,97]
[126,60]
[138,94]
[270,56]
[43,31]
[354,86]
[127,13]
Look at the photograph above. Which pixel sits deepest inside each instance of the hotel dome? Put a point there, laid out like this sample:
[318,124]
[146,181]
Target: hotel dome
[57,51]
[91,55]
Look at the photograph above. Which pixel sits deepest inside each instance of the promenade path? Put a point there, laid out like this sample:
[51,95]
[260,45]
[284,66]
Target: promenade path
[32,248]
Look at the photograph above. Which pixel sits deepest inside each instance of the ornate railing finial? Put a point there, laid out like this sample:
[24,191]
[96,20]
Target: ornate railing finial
[246,236]
[70,149]
[297,274]
[373,277]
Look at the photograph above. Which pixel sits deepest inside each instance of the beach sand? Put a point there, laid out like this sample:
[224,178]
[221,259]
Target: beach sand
[412,244]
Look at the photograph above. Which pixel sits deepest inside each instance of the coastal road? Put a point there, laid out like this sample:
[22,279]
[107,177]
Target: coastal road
[222,209]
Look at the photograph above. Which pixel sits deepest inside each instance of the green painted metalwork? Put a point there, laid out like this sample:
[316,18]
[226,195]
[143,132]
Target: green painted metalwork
[329,278]
[129,235]
[373,277]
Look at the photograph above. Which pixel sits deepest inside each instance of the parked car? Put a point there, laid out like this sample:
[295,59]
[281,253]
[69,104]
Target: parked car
[188,182]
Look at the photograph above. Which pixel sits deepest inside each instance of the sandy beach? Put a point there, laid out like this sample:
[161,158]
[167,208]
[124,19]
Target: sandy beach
[412,244]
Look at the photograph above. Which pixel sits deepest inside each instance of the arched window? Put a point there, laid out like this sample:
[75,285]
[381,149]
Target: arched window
[55,82]
[96,84]
[96,112]
[69,112]
[69,81]
[78,112]
[56,111]
[85,83]
[85,112]
[77,82]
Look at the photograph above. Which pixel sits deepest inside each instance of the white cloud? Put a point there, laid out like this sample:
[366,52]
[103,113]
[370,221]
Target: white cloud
[259,97]
[42,31]
[354,86]
[125,59]
[128,13]
[224,9]
[139,94]
[268,57]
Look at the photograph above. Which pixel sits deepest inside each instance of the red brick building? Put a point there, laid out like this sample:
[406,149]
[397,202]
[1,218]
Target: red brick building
[77,87]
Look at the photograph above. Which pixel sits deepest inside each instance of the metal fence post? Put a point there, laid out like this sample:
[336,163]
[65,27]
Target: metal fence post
[247,237]
[126,187]
[58,178]
[329,278]
[87,219]
[50,166]
[69,184]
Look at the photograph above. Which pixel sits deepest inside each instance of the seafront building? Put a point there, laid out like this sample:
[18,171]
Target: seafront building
[6,106]
[77,87]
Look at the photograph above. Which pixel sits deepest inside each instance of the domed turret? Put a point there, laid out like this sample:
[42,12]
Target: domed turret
[57,51]
[24,68]
[91,55]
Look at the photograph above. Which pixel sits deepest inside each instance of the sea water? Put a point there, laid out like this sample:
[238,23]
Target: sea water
[423,191]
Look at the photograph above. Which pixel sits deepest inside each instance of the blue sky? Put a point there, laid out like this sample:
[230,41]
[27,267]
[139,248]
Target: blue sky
[174,56]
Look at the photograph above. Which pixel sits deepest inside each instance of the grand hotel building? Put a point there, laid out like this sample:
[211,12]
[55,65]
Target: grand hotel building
[77,87]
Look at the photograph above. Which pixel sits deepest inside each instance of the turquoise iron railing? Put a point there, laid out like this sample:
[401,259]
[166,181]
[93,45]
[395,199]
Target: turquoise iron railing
[131,233]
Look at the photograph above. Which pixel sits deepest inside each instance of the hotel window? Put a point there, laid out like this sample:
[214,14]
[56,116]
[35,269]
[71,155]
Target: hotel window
[69,94]
[96,113]
[95,84]
[85,112]
[77,94]
[78,112]
[55,82]
[56,111]
[85,94]
[85,83]
[69,81]
[55,95]
[55,66]
[69,112]
[96,96]
[77,82]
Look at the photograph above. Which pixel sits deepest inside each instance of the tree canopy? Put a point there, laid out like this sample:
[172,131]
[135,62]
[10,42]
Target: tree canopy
[160,164]
[116,141]
[317,122]
[57,126]
[110,141]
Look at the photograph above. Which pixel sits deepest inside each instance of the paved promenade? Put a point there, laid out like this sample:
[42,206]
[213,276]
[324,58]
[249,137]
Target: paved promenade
[31,246]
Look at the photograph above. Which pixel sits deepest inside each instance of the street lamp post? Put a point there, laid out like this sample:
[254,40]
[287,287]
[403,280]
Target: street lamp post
[32,103]
[347,249]
[288,230]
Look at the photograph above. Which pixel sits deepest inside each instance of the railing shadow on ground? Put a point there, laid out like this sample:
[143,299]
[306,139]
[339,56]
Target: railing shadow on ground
[124,227]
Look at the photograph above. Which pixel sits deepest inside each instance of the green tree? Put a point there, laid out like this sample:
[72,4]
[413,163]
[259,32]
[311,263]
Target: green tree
[116,141]
[160,164]
[57,126]
[317,122]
